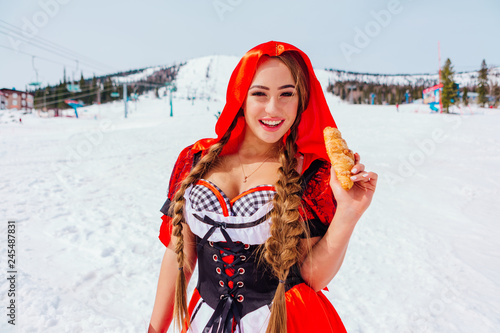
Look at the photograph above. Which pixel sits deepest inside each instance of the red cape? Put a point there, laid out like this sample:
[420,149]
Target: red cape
[314,119]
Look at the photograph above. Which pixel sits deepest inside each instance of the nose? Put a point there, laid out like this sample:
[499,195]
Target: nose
[272,106]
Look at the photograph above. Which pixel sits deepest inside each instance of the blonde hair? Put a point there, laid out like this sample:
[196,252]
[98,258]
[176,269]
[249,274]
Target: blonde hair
[281,249]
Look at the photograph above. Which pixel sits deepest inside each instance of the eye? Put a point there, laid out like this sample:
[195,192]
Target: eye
[258,93]
[288,94]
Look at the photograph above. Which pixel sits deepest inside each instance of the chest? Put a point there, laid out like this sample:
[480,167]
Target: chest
[207,196]
[230,175]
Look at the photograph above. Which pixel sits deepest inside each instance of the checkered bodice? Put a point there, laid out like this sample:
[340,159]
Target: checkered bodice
[206,196]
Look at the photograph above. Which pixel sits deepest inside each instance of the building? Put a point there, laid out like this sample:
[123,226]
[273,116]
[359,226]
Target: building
[3,101]
[15,99]
[432,97]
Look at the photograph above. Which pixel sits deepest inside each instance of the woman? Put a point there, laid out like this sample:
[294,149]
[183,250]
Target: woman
[259,208]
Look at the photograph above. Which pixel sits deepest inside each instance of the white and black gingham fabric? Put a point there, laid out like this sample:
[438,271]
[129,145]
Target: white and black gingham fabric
[250,203]
[202,198]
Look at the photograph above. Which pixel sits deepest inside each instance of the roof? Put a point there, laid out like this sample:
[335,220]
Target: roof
[15,91]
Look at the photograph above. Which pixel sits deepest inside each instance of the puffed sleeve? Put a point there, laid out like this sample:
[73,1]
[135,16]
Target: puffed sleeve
[180,171]
[318,202]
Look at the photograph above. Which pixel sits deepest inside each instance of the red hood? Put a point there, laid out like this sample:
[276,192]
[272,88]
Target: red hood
[314,119]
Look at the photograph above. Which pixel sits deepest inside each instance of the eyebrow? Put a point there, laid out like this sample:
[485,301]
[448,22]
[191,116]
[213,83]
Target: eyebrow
[266,88]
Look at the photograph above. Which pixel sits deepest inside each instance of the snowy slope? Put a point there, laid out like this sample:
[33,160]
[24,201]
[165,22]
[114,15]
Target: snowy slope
[205,78]
[86,195]
[203,68]
[141,75]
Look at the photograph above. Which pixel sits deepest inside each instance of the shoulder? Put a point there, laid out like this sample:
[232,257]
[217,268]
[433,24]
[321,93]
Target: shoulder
[185,161]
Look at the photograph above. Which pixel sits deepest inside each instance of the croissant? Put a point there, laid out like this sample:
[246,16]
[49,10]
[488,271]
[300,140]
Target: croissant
[341,157]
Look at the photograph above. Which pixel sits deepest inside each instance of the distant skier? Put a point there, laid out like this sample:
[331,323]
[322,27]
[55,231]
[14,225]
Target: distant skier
[20,120]
[397,107]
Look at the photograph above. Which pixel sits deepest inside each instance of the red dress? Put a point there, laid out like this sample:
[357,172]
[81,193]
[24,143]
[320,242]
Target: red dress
[232,288]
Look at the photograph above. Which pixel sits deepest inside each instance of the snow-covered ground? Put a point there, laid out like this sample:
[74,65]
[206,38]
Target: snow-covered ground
[85,194]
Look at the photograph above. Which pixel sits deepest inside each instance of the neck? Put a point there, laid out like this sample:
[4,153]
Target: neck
[253,148]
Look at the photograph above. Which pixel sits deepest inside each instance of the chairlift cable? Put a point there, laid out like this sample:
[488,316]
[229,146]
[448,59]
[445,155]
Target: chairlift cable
[51,44]
[48,49]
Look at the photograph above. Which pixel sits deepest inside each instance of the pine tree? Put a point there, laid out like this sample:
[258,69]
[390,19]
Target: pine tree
[392,99]
[448,96]
[108,89]
[495,93]
[61,95]
[84,89]
[93,90]
[38,98]
[482,84]
[329,88]
[464,96]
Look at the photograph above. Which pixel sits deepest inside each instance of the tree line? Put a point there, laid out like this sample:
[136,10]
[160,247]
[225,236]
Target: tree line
[101,89]
[357,91]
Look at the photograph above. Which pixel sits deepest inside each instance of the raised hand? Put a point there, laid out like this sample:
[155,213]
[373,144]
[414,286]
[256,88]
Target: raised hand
[354,202]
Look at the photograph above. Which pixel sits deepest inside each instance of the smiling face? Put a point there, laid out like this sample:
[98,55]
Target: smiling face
[272,101]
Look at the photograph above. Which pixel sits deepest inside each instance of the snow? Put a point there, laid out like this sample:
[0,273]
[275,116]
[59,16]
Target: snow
[85,194]
[137,76]
[205,78]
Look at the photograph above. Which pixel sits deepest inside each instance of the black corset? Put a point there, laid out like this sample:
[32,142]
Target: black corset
[251,286]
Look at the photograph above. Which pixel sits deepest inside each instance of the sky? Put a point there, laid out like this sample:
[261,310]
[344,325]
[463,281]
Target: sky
[375,36]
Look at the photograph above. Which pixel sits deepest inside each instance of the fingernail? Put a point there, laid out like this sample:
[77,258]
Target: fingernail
[354,170]
[365,175]
[354,177]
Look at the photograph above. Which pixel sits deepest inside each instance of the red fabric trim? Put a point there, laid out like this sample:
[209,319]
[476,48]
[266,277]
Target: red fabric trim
[252,190]
[194,300]
[219,196]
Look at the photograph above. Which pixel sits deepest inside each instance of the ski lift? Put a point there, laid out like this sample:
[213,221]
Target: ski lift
[74,87]
[36,83]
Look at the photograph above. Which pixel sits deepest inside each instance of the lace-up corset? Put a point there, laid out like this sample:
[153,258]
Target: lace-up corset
[228,233]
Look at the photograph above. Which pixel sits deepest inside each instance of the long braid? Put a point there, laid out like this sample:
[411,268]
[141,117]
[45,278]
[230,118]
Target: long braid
[177,211]
[282,248]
